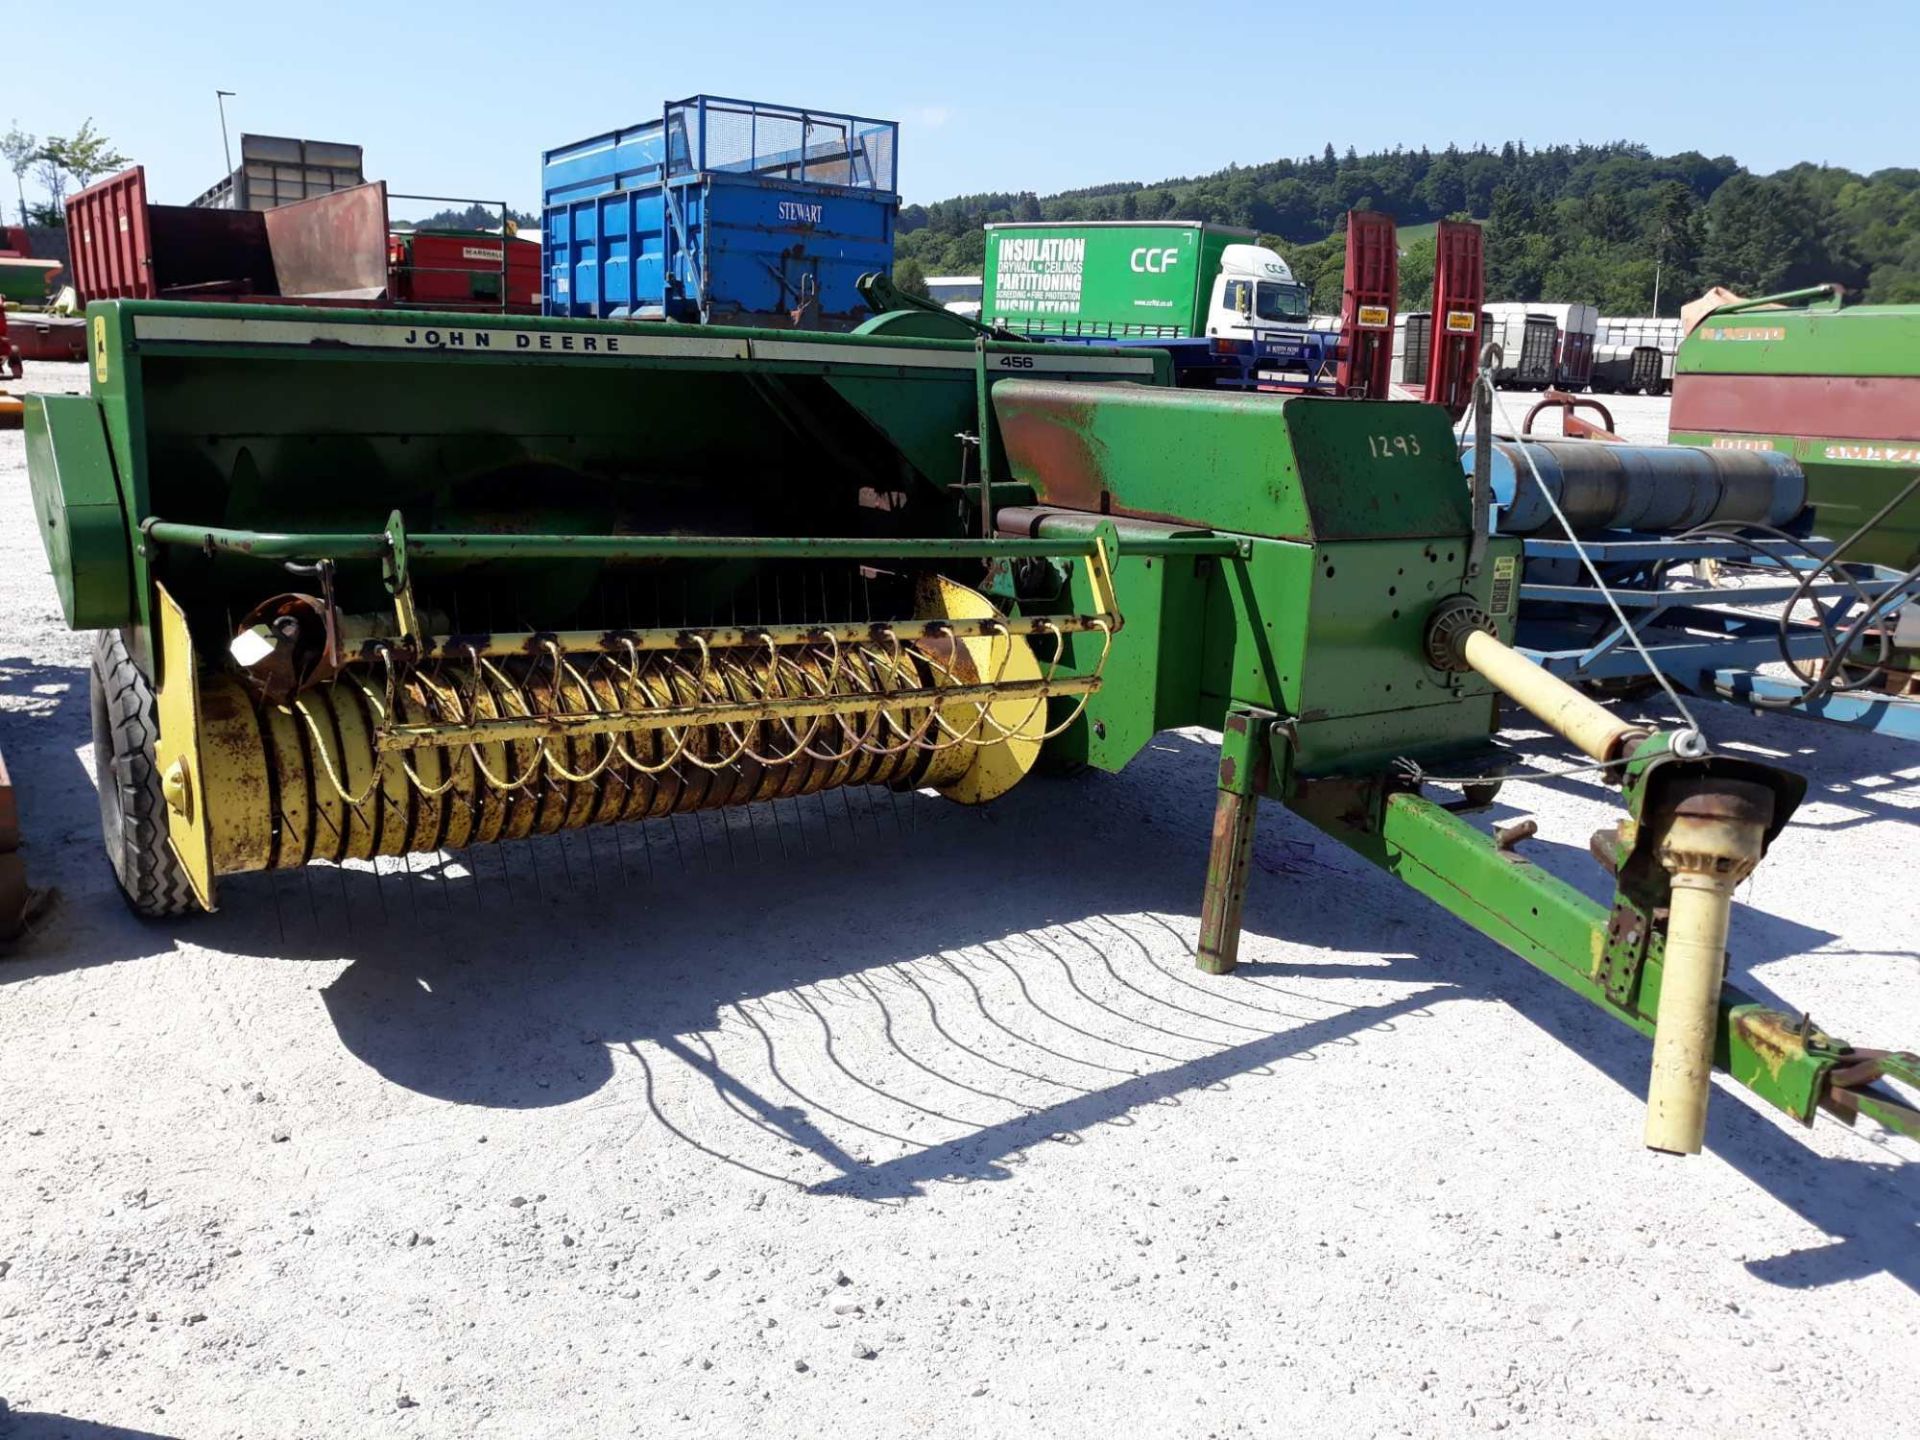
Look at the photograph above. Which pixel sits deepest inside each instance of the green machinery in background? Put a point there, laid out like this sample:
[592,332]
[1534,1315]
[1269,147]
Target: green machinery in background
[1836,386]
[369,584]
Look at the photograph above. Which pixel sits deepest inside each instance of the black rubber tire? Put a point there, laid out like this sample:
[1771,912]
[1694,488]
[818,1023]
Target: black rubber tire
[133,812]
[1622,687]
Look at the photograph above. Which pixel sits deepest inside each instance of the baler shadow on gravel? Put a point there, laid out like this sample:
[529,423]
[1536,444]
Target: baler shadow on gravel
[370,584]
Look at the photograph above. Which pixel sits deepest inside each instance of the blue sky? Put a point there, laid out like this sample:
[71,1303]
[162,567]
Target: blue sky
[460,99]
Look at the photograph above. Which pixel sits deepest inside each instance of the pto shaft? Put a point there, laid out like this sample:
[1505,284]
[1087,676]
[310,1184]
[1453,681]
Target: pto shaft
[1583,722]
[1460,637]
[1712,843]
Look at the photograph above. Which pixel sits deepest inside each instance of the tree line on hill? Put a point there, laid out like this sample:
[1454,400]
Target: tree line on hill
[1597,223]
[473,217]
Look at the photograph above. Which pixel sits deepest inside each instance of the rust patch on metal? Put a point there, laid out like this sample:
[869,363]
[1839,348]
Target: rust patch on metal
[305,637]
[1050,449]
[329,246]
[1772,1037]
[1049,445]
[1740,801]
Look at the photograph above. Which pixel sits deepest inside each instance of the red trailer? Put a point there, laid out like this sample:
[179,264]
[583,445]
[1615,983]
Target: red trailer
[333,249]
[37,335]
[1366,305]
[462,270]
[124,247]
[1459,288]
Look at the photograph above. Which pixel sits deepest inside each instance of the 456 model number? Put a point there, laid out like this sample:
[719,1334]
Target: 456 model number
[1385,447]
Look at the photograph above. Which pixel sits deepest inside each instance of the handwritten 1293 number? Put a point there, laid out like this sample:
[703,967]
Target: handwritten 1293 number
[1385,447]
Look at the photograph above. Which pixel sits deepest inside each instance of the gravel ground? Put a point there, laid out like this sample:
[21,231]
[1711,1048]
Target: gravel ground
[927,1128]
[1641,419]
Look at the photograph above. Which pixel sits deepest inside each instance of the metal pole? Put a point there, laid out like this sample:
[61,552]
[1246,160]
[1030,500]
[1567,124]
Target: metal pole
[1245,759]
[983,449]
[1656,289]
[1482,494]
[220,98]
[274,545]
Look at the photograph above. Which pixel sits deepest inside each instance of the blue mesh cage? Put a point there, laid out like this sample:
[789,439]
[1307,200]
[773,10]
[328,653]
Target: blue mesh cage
[809,147]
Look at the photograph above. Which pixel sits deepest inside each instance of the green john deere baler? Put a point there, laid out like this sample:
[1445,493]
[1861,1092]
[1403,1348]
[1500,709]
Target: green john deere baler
[369,584]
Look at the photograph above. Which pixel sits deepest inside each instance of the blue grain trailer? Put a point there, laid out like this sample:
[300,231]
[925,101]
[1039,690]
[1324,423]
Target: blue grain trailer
[722,212]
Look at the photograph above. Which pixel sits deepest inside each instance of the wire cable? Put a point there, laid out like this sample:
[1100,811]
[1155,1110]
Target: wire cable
[1690,743]
[1412,769]
[1832,678]
[1739,532]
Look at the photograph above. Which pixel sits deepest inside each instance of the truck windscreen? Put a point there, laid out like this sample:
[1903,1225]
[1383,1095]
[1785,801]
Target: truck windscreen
[1276,301]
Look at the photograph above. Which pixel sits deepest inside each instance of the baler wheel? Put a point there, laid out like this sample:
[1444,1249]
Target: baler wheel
[1054,767]
[133,813]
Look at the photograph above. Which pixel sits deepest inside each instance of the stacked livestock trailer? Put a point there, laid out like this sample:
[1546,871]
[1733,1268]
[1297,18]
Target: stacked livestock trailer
[1529,341]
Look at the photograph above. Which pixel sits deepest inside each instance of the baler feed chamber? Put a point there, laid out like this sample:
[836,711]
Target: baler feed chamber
[452,596]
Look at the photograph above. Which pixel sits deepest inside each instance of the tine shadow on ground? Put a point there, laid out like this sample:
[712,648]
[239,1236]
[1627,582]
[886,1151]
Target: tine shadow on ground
[1028,965]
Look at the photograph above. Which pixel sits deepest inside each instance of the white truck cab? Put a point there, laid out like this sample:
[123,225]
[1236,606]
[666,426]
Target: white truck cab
[1253,294]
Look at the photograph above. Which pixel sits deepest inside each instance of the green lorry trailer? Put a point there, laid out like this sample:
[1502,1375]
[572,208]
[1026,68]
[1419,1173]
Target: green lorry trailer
[1227,309]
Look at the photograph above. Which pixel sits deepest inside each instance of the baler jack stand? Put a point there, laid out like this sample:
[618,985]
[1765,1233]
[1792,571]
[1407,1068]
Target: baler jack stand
[1244,759]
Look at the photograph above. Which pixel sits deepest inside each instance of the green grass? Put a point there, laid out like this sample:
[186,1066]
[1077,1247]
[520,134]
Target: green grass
[1407,234]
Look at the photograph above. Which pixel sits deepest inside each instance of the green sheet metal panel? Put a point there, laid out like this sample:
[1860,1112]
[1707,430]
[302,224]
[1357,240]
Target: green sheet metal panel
[76,500]
[1838,388]
[1372,469]
[283,417]
[1377,469]
[1330,636]
[1854,340]
[1150,679]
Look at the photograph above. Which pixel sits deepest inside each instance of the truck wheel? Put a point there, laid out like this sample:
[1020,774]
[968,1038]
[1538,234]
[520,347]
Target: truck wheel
[133,813]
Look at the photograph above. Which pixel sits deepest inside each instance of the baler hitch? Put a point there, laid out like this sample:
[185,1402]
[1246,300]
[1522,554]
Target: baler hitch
[1697,824]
